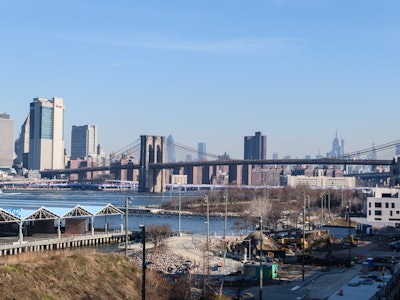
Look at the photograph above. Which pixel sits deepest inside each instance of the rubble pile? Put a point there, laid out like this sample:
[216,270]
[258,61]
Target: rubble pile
[164,260]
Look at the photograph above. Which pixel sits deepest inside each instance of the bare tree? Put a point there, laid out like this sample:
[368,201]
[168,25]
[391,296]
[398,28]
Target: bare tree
[157,233]
[260,206]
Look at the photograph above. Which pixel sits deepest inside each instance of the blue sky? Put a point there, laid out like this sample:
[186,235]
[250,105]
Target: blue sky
[209,71]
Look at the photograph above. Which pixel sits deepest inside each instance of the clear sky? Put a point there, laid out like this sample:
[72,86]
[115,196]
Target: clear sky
[209,71]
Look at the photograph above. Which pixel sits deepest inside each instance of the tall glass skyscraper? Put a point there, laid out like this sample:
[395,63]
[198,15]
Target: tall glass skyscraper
[46,134]
[6,141]
[83,142]
[170,149]
[201,149]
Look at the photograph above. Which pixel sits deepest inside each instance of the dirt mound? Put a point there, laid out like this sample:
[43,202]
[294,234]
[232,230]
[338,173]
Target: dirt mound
[388,230]
[267,242]
[319,238]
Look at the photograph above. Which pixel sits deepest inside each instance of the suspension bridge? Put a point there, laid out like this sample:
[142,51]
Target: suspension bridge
[148,156]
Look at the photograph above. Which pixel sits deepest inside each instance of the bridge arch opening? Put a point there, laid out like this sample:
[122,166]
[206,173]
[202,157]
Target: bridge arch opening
[151,154]
[159,154]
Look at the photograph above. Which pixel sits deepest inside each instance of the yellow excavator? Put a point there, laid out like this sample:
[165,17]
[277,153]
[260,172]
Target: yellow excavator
[350,240]
[300,242]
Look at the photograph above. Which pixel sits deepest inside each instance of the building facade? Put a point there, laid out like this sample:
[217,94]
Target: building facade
[255,147]
[6,141]
[84,142]
[46,134]
[322,181]
[201,149]
[384,206]
[170,149]
[21,146]
[337,148]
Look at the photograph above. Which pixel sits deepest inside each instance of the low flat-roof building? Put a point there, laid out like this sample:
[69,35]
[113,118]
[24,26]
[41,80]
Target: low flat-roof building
[322,181]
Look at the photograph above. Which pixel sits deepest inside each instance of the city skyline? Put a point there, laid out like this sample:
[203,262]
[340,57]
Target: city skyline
[298,71]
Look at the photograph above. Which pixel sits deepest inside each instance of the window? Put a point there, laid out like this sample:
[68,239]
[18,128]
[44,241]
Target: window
[369,204]
[393,205]
[369,213]
[378,204]
[378,213]
[386,205]
[391,213]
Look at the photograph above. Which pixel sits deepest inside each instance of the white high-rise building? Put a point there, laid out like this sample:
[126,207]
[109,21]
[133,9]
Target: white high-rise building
[46,134]
[6,141]
[84,142]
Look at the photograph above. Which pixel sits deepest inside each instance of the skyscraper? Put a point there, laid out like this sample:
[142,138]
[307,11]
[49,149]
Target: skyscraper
[84,142]
[397,149]
[6,141]
[255,147]
[201,149]
[46,134]
[22,145]
[170,149]
[337,148]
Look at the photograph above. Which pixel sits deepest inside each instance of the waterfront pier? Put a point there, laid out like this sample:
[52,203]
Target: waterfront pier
[53,242]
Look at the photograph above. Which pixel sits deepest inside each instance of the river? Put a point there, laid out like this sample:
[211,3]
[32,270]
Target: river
[34,199]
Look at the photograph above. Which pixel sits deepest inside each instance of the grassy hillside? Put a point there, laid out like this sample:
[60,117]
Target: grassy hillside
[78,274]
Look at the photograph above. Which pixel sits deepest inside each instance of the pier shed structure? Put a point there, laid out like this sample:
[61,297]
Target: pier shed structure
[23,221]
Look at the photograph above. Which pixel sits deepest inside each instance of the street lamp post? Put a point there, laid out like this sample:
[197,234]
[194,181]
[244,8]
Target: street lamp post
[308,211]
[143,261]
[304,236]
[207,233]
[179,223]
[226,215]
[126,223]
[261,265]
[322,208]
[329,205]
[349,237]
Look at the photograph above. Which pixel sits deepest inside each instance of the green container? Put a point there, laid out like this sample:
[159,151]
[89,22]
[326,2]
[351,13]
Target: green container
[270,271]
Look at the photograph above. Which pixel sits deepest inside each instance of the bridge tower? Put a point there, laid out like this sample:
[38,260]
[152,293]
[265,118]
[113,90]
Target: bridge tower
[152,150]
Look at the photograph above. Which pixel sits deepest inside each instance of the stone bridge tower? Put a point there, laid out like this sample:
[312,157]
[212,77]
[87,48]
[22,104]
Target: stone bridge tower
[152,150]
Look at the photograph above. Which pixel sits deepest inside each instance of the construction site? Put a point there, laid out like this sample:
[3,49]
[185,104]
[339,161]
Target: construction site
[313,265]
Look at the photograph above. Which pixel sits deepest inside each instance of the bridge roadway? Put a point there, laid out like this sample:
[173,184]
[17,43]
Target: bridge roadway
[236,162]
[44,242]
